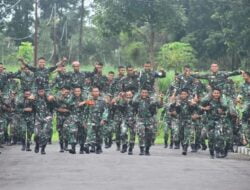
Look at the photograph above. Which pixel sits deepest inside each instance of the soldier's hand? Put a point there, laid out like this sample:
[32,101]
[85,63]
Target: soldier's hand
[220,111]
[102,122]
[50,98]
[27,109]
[206,108]
[31,97]
[81,103]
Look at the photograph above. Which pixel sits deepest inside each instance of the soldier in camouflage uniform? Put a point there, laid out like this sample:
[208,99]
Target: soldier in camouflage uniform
[145,108]
[98,79]
[116,87]
[62,105]
[76,121]
[41,73]
[96,117]
[62,79]
[216,108]
[186,111]
[25,106]
[43,119]
[245,95]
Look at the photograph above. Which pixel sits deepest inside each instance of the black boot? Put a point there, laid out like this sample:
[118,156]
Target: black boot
[81,149]
[142,151]
[130,150]
[66,146]
[28,147]
[98,149]
[176,145]
[73,149]
[211,154]
[23,146]
[43,149]
[86,149]
[193,147]
[147,153]
[118,146]
[36,148]
[171,145]
[106,143]
[124,148]
[50,141]
[184,152]
[204,147]
[61,147]
[92,149]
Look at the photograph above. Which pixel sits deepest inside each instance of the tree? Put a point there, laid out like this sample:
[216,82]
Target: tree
[25,50]
[175,55]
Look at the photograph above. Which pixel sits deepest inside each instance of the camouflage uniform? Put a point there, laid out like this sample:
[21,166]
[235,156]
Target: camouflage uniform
[217,126]
[168,132]
[145,109]
[41,76]
[94,115]
[100,81]
[43,122]
[26,80]
[26,121]
[62,79]
[75,124]
[61,117]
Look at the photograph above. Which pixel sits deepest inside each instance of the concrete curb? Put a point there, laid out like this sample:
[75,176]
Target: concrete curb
[244,150]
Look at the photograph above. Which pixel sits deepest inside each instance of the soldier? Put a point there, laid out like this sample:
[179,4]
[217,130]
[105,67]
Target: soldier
[245,97]
[43,119]
[25,106]
[217,78]
[125,103]
[41,73]
[185,80]
[216,109]
[98,79]
[144,107]
[130,82]
[185,111]
[96,117]
[62,79]
[116,87]
[62,105]
[147,77]
[76,121]
[4,76]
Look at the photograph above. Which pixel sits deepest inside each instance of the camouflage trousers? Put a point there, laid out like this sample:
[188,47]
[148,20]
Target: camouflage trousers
[94,134]
[217,136]
[185,131]
[117,128]
[176,130]
[42,130]
[144,129]
[128,132]
[26,129]
[62,129]
[168,132]
[246,131]
[196,129]
[2,123]
[108,129]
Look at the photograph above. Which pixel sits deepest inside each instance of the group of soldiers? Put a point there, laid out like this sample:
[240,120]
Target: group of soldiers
[90,109]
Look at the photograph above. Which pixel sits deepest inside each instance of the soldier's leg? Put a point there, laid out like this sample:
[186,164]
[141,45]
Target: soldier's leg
[124,136]
[59,128]
[23,131]
[141,136]
[72,136]
[186,137]
[149,133]
[219,140]
[154,130]
[1,132]
[45,134]
[166,134]
[211,141]
[30,131]
[193,137]
[37,132]
[98,140]
[91,137]
[176,133]
[132,133]
[81,137]
[117,125]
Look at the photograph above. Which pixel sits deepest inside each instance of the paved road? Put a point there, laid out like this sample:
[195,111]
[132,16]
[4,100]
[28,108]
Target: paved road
[164,169]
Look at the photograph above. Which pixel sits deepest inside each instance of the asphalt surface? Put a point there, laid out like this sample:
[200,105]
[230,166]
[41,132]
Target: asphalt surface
[164,169]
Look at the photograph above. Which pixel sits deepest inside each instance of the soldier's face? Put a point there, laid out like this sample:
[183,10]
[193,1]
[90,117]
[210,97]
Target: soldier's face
[110,77]
[187,71]
[130,71]
[76,67]
[183,95]
[98,68]
[245,77]
[65,92]
[122,71]
[144,94]
[216,94]
[95,92]
[41,63]
[147,67]
[129,95]
[77,92]
[27,94]
[41,92]
[214,68]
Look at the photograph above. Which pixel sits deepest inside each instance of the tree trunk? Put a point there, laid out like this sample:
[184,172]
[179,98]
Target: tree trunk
[81,31]
[152,48]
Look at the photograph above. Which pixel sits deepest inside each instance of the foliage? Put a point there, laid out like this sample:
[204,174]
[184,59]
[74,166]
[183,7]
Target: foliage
[175,55]
[26,51]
